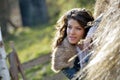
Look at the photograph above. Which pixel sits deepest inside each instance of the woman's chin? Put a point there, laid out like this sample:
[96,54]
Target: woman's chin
[73,42]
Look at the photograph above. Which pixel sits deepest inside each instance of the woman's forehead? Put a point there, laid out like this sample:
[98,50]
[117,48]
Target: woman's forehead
[73,22]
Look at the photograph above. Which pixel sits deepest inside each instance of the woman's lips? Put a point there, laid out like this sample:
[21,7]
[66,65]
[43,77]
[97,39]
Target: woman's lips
[72,38]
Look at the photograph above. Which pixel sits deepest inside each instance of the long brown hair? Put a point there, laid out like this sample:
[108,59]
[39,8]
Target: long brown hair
[82,16]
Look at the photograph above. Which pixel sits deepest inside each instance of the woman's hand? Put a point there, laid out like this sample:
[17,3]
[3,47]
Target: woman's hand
[86,43]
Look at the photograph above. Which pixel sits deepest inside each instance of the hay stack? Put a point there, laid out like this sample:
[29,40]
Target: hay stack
[105,62]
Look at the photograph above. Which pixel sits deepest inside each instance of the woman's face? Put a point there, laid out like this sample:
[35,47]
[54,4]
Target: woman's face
[75,31]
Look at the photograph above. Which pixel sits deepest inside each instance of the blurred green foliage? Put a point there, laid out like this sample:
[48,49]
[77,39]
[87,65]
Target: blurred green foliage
[57,7]
[33,42]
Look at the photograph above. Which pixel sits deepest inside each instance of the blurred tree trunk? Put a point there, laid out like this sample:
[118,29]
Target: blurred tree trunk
[15,16]
[34,12]
[4,14]
[9,15]
[4,72]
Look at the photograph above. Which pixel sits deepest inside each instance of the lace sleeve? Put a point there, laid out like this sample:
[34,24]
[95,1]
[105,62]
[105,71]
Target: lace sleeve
[95,26]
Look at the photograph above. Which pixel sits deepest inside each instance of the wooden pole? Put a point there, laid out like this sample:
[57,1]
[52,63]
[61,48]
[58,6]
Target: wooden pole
[4,72]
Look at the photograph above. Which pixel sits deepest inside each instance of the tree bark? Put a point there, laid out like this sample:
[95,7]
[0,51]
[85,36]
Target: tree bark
[4,73]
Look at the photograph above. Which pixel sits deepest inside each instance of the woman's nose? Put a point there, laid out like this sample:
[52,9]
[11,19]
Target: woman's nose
[72,31]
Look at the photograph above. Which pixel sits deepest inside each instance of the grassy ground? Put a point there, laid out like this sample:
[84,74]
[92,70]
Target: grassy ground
[31,43]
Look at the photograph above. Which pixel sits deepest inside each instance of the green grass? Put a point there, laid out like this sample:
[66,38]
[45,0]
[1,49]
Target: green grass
[31,42]
[39,72]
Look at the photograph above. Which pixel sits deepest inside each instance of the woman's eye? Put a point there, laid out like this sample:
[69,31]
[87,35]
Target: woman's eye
[69,27]
[78,28]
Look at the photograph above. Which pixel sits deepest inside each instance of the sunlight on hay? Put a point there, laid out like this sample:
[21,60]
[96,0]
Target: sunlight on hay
[105,62]
[111,39]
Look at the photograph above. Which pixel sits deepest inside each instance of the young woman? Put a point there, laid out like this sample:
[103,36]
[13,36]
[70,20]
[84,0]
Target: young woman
[72,27]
